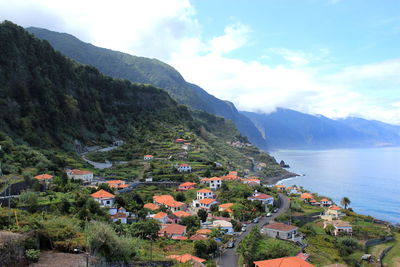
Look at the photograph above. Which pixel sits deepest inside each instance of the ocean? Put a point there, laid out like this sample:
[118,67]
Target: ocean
[369,177]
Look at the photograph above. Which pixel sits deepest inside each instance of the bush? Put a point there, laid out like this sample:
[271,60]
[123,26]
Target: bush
[32,255]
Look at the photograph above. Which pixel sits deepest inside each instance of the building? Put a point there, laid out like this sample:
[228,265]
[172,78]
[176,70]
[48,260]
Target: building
[169,202]
[204,193]
[184,167]
[44,178]
[306,197]
[204,231]
[214,183]
[117,184]
[325,202]
[280,187]
[104,198]
[226,226]
[180,140]
[193,260]
[148,157]
[172,230]
[85,176]
[151,206]
[198,237]
[162,217]
[251,181]
[263,198]
[186,186]
[281,231]
[177,216]
[340,227]
[225,207]
[206,203]
[283,262]
[334,211]
[121,215]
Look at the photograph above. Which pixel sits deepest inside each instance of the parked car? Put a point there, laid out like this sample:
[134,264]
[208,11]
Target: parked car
[231,244]
[276,210]
[244,225]
[269,214]
[256,220]
[243,229]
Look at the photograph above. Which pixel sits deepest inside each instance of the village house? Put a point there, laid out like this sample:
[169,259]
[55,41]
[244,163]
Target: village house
[184,167]
[121,215]
[263,198]
[280,187]
[325,202]
[231,176]
[283,262]
[148,157]
[85,176]
[180,140]
[187,146]
[214,183]
[162,217]
[177,216]
[173,231]
[104,198]
[292,190]
[334,212]
[224,225]
[151,206]
[281,231]
[186,186]
[204,231]
[198,237]
[340,227]
[204,193]
[313,202]
[225,207]
[44,179]
[206,203]
[251,181]
[169,202]
[306,197]
[193,260]
[117,184]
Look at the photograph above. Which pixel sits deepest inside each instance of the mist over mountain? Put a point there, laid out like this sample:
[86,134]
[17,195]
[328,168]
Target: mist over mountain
[291,129]
[152,71]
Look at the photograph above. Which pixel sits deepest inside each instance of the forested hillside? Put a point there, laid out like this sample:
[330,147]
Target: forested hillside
[151,71]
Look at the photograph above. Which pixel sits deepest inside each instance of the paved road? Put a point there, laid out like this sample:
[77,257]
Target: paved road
[230,258]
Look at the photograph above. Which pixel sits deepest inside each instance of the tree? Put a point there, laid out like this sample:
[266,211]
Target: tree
[191,222]
[202,215]
[203,248]
[180,197]
[147,229]
[345,202]
[214,208]
[30,199]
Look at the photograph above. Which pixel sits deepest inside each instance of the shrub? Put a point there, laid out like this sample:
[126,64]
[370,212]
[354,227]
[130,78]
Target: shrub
[32,255]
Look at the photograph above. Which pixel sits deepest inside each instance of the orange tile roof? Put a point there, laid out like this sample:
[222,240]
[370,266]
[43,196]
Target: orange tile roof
[306,196]
[204,231]
[280,186]
[325,200]
[198,237]
[115,182]
[181,213]
[183,165]
[313,201]
[206,201]
[179,238]
[119,215]
[80,172]
[204,191]
[262,196]
[187,184]
[283,262]
[172,229]
[214,179]
[251,179]
[162,198]
[148,156]
[43,177]
[185,258]
[334,207]
[225,205]
[160,215]
[151,206]
[102,194]
[280,226]
[123,186]
[180,140]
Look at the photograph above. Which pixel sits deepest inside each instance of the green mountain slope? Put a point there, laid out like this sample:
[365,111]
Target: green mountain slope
[151,71]
[49,101]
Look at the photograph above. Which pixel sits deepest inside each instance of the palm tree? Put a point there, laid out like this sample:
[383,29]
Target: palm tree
[345,202]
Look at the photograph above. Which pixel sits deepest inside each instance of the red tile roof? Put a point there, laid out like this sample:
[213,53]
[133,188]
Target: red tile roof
[43,177]
[172,229]
[324,200]
[102,194]
[183,165]
[160,215]
[306,196]
[151,206]
[334,207]
[280,226]
[79,172]
[283,262]
[187,184]
[204,231]
[204,191]
[262,196]
[225,205]
[198,237]
[185,258]
[148,156]
[179,238]
[207,201]
[181,213]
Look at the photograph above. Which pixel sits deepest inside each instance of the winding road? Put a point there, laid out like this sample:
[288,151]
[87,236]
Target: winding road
[229,257]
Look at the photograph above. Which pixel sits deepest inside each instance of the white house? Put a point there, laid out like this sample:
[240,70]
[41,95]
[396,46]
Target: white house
[214,183]
[148,157]
[325,202]
[83,175]
[224,225]
[281,231]
[104,198]
[340,227]
[204,193]
[121,215]
[251,181]
[184,167]
[264,198]
[206,203]
[162,217]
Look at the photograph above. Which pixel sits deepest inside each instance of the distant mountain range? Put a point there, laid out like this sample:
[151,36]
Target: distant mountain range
[151,71]
[283,128]
[290,129]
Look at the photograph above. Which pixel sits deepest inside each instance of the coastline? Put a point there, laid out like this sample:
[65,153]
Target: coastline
[284,176]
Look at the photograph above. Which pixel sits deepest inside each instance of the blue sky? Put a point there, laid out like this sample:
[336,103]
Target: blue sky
[333,57]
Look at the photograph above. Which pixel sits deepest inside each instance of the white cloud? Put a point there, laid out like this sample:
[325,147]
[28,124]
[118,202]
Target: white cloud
[169,30]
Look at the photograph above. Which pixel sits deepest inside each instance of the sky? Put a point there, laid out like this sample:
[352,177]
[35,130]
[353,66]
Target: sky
[337,58]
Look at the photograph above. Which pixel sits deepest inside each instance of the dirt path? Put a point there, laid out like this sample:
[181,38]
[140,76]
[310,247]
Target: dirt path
[52,259]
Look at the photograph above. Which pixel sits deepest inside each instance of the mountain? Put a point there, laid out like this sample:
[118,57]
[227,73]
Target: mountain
[290,129]
[150,71]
